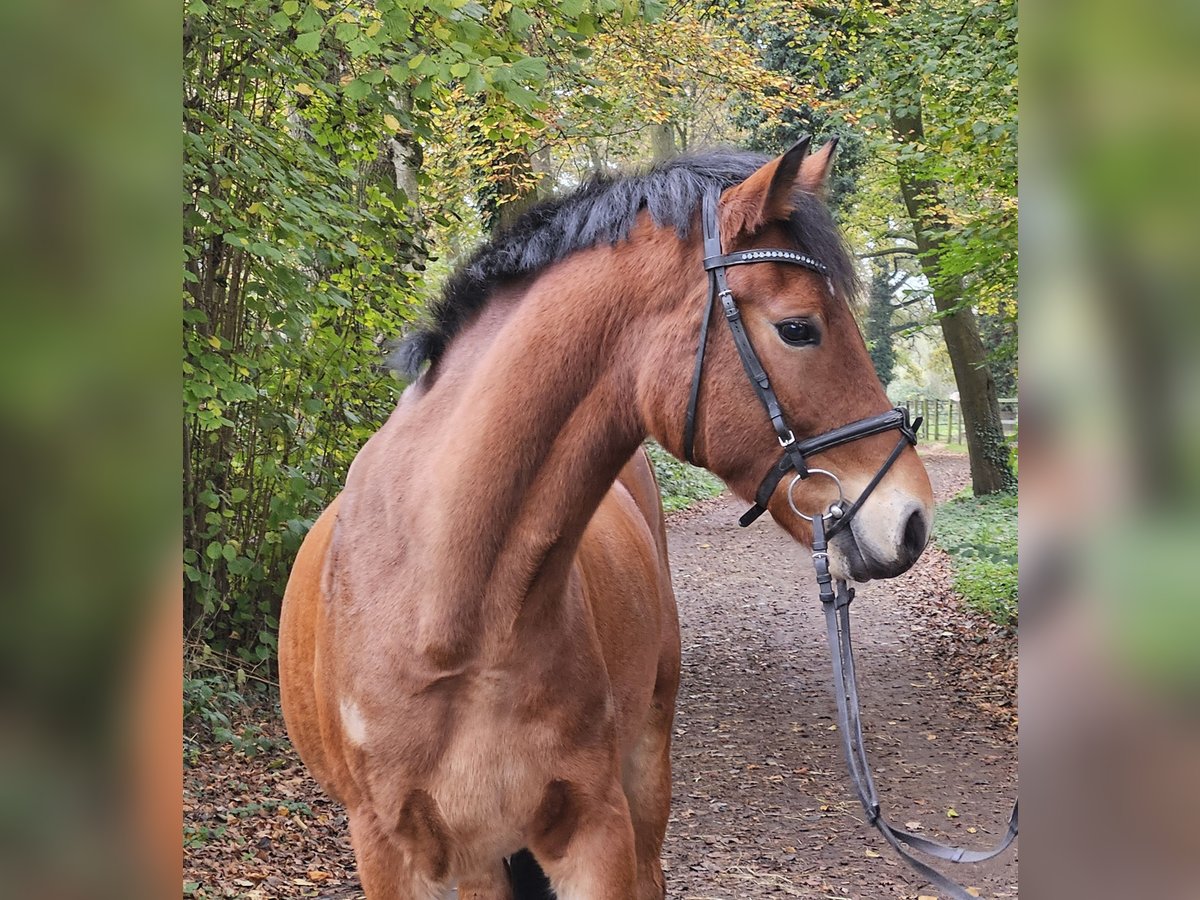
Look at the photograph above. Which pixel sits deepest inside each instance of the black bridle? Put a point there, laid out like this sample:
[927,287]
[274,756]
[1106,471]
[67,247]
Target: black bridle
[835,603]
[795,452]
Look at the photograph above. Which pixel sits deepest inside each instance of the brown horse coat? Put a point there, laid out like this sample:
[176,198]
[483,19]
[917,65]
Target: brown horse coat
[479,649]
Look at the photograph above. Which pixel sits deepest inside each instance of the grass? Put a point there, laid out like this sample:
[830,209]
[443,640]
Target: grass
[980,534]
[681,485]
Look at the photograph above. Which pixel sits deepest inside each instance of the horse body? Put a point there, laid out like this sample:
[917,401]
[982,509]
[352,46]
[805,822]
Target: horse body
[475,663]
[479,648]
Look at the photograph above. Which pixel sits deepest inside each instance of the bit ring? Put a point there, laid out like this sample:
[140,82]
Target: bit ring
[835,508]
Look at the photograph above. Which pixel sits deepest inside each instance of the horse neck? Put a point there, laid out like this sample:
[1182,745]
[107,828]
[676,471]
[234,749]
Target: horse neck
[538,411]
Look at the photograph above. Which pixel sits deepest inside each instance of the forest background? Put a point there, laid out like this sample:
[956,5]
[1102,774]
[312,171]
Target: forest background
[340,158]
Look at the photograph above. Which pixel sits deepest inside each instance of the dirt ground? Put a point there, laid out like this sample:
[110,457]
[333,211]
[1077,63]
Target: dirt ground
[762,804]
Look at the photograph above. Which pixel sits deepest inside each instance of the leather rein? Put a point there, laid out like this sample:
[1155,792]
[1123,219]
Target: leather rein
[836,603]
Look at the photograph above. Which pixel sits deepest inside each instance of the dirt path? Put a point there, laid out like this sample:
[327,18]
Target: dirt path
[762,804]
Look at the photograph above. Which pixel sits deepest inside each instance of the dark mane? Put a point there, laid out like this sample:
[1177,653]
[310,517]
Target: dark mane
[603,210]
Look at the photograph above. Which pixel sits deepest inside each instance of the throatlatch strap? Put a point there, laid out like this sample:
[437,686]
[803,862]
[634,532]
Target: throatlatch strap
[837,621]
[712,247]
[689,423]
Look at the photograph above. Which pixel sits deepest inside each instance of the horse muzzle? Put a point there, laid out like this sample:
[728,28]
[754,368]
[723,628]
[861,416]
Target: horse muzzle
[882,541]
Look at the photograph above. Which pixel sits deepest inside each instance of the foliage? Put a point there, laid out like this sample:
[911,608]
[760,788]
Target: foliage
[340,158]
[980,534]
[878,330]
[948,65]
[952,65]
[819,77]
[205,701]
[304,246]
[208,700]
[680,484]
[604,103]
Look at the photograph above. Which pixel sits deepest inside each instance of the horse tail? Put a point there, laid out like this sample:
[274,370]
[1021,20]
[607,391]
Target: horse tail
[528,880]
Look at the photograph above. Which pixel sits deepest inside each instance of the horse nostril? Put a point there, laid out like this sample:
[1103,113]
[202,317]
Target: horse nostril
[916,532]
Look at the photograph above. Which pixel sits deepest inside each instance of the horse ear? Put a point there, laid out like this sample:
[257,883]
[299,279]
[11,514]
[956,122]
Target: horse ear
[814,173]
[768,194]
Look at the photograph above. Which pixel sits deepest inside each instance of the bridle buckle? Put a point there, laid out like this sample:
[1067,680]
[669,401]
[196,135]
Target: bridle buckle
[786,441]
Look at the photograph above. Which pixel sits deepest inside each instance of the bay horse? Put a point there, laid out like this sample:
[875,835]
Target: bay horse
[479,648]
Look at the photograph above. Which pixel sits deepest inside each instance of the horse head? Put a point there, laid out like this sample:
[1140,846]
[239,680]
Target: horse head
[799,324]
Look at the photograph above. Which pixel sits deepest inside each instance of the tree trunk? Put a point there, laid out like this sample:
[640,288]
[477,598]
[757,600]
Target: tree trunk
[599,166]
[879,325]
[662,141]
[988,451]
[515,189]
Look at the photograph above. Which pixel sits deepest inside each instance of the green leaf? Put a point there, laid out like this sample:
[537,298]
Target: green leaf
[312,20]
[357,89]
[521,95]
[653,10]
[519,21]
[308,43]
[474,82]
[530,68]
[458,70]
[240,566]
[587,25]
[291,7]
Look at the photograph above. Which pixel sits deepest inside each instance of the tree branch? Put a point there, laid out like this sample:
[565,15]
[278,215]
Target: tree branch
[890,251]
[924,298]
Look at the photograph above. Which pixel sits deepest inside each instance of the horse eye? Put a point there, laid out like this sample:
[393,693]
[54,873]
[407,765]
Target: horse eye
[797,332]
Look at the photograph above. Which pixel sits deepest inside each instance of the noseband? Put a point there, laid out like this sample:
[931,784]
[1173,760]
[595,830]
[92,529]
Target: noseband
[836,603]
